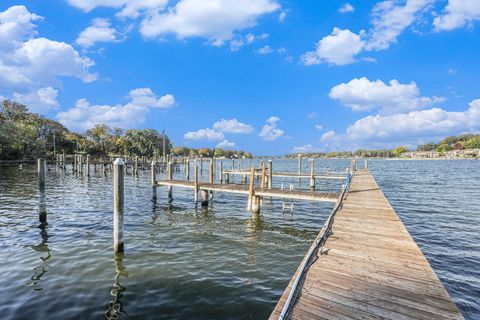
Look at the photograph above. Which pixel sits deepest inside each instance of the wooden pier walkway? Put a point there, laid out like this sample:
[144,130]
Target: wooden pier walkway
[287,174]
[261,192]
[368,268]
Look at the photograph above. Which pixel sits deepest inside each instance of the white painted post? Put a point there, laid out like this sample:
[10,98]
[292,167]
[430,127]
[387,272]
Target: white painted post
[118,205]
[312,174]
[88,165]
[270,174]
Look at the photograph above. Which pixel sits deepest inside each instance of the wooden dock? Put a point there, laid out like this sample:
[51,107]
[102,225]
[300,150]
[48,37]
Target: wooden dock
[261,192]
[287,174]
[369,267]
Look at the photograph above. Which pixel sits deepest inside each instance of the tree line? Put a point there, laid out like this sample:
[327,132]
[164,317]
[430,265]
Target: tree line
[25,135]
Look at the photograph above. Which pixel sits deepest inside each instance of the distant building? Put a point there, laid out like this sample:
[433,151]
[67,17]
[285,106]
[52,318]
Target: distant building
[453,154]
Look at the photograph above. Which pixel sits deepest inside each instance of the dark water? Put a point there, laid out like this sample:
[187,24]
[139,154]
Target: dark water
[184,262]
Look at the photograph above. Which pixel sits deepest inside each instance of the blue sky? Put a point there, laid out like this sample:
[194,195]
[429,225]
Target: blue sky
[267,76]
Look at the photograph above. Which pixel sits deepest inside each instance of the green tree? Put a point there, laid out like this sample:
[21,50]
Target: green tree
[398,151]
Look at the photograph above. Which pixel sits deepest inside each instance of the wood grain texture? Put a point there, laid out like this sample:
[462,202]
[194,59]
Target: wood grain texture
[369,268]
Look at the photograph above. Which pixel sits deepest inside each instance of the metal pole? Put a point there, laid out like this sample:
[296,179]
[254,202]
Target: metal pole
[118,205]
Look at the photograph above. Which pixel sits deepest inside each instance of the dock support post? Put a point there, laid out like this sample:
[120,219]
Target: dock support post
[270,174]
[187,170]
[221,172]
[366,165]
[352,168]
[88,165]
[42,208]
[299,165]
[262,183]
[135,164]
[170,177]
[74,166]
[118,206]
[211,170]
[312,174]
[227,178]
[204,197]
[195,183]
[154,180]
[201,165]
[20,166]
[250,189]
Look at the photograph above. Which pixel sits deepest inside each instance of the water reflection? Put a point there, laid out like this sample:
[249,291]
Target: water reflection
[40,270]
[115,306]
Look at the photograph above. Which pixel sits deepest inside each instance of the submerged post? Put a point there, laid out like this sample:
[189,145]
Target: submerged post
[312,174]
[118,205]
[42,208]
[154,179]
[270,174]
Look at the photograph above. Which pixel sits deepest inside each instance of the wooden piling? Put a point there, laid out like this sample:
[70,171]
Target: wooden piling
[42,207]
[170,177]
[88,166]
[204,198]
[195,182]
[201,165]
[312,174]
[187,170]
[256,204]
[250,188]
[366,165]
[263,175]
[118,205]
[221,171]
[211,170]
[153,179]
[135,165]
[270,174]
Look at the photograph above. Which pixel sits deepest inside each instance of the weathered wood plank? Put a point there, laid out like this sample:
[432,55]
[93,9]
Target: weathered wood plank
[370,267]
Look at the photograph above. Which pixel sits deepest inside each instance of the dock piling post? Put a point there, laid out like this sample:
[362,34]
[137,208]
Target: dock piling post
[88,165]
[263,175]
[221,172]
[312,174]
[211,170]
[250,189]
[366,165]
[135,164]
[270,174]
[154,180]
[204,197]
[118,206]
[349,178]
[170,177]
[42,208]
[195,182]
[187,169]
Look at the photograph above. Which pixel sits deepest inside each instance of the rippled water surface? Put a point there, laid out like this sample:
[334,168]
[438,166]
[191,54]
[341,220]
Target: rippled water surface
[222,262]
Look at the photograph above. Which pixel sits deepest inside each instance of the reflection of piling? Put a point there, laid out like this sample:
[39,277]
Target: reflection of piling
[118,207]
[42,208]
[115,307]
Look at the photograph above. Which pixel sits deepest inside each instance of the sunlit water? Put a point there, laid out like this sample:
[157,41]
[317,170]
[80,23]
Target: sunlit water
[186,262]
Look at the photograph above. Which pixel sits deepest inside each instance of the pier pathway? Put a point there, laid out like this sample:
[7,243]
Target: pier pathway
[368,268]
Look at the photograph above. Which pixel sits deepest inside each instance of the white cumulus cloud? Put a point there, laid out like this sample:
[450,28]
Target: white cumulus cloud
[225,144]
[307,148]
[232,126]
[361,94]
[216,20]
[99,31]
[38,101]
[327,136]
[270,131]
[338,48]
[85,115]
[29,64]
[204,134]
[128,8]
[346,8]
[458,13]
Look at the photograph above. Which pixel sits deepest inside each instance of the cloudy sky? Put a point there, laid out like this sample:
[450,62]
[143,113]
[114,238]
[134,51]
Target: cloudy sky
[268,76]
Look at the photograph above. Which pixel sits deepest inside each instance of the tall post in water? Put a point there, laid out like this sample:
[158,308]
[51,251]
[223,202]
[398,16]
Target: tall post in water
[118,205]
[170,177]
[74,165]
[270,174]
[154,180]
[187,170]
[366,165]
[352,167]
[135,166]
[250,189]
[42,208]
[211,170]
[201,165]
[263,175]
[88,165]
[312,174]
[195,182]
[221,172]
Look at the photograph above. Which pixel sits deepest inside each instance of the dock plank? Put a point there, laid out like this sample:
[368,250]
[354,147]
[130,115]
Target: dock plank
[370,267]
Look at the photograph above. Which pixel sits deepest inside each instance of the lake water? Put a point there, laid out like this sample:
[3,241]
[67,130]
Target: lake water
[222,262]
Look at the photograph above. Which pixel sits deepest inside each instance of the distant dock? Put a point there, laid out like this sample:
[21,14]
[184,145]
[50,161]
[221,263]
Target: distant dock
[369,267]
